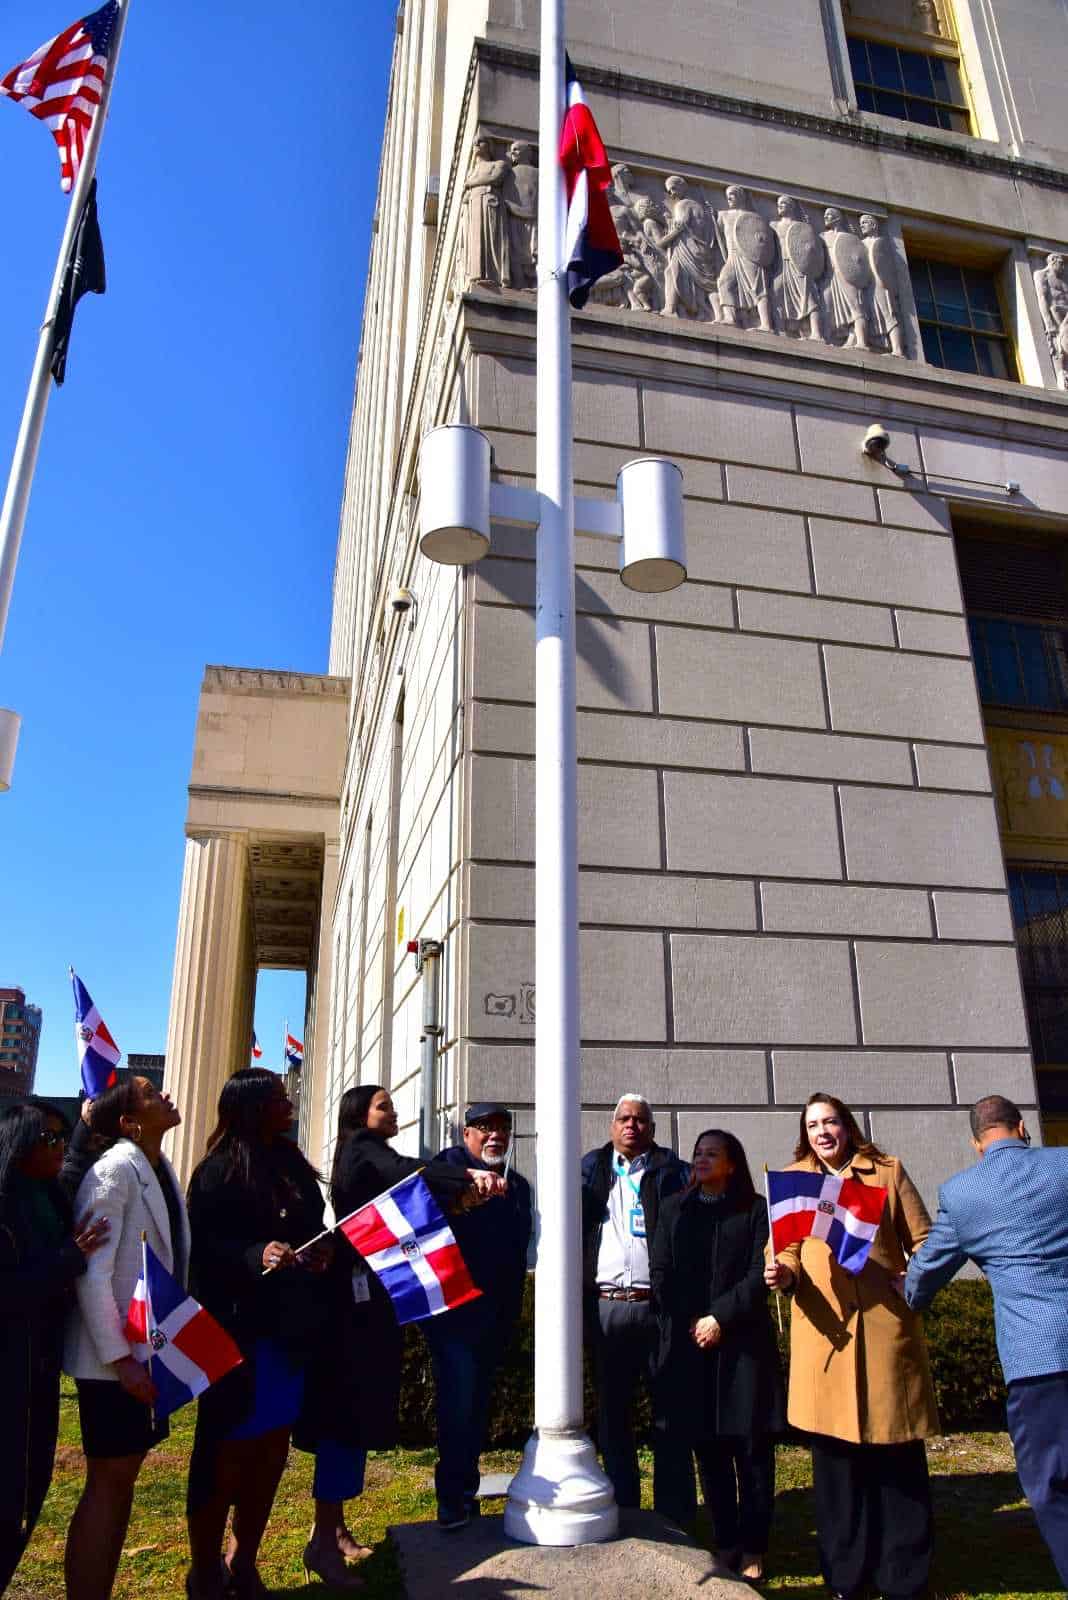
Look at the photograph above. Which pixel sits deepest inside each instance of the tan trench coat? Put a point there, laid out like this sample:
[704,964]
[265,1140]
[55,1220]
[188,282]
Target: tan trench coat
[858,1357]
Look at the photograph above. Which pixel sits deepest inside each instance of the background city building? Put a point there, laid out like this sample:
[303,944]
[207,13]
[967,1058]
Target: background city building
[20,1035]
[823,824]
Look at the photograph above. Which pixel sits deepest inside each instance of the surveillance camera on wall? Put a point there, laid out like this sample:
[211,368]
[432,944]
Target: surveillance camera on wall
[401,600]
[876,442]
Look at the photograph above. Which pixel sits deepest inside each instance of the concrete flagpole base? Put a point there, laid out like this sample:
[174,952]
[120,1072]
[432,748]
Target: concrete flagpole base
[560,1496]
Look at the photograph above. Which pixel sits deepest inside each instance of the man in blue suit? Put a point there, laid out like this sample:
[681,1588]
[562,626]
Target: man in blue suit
[1009,1214]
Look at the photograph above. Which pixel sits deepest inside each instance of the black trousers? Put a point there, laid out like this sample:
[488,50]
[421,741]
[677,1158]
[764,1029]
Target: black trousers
[1037,1413]
[624,1349]
[873,1515]
[738,1483]
[43,1425]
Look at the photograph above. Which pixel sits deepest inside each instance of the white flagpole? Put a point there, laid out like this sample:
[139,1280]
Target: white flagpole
[559,1496]
[24,460]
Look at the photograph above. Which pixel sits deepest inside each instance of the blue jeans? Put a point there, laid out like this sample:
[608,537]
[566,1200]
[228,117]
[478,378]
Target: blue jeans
[466,1346]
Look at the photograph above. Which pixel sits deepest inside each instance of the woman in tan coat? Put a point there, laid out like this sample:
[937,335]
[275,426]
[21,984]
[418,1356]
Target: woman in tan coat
[860,1383]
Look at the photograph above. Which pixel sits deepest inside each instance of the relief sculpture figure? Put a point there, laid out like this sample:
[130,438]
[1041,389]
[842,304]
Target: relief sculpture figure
[635,284]
[488,253]
[692,254]
[749,246]
[1051,285]
[521,202]
[849,281]
[885,306]
[803,262]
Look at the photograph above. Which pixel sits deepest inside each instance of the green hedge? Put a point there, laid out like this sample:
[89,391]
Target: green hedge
[960,1335]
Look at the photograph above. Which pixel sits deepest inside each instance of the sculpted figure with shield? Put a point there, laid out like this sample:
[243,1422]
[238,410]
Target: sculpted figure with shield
[749,246]
[802,265]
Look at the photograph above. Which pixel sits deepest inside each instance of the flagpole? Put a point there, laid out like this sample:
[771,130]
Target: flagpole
[24,460]
[559,1496]
[148,1321]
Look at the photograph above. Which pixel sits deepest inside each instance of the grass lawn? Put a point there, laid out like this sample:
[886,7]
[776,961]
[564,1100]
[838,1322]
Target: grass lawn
[986,1541]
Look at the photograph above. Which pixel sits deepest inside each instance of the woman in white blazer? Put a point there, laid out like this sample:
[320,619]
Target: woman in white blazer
[135,1187]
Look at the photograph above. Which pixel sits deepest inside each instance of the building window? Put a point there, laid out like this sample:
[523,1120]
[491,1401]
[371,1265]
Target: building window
[1039,898]
[913,85]
[1020,664]
[961,321]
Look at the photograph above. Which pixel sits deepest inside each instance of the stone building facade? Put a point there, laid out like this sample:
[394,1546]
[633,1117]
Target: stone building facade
[824,825]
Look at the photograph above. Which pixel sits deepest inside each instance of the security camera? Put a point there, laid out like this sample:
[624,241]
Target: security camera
[402,600]
[876,442]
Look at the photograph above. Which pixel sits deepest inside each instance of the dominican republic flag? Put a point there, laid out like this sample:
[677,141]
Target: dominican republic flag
[843,1212]
[98,1054]
[591,244]
[256,1051]
[404,1238]
[294,1051]
[186,1347]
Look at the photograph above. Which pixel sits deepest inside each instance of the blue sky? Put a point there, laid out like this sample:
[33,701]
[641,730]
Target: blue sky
[186,500]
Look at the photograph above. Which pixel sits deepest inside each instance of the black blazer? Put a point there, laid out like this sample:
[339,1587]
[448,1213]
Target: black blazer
[736,1386]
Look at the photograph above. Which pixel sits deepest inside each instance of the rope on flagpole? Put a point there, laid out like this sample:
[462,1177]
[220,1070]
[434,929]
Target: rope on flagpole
[767,1197]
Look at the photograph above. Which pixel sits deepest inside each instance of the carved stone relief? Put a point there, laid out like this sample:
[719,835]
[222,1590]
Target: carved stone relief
[1051,286]
[703,253]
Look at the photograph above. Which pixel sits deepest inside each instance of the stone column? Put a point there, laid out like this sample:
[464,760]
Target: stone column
[318,1043]
[210,1030]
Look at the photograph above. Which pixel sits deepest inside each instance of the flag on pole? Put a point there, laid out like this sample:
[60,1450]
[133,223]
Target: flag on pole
[188,1350]
[843,1212]
[98,1054]
[61,84]
[256,1051]
[404,1238]
[294,1051]
[591,244]
[83,274]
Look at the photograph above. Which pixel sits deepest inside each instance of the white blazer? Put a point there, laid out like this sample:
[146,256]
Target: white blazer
[122,1187]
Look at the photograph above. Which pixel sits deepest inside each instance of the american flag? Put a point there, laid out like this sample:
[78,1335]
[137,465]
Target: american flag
[61,84]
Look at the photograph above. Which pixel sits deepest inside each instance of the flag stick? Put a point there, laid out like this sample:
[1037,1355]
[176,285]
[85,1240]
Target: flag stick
[767,1197]
[148,1322]
[24,460]
[373,1201]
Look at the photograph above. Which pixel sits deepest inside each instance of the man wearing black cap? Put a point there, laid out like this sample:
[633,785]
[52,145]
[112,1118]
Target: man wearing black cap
[467,1345]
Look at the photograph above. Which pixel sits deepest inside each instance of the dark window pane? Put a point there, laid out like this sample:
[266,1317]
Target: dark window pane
[891,105]
[921,111]
[1016,897]
[986,321]
[916,73]
[921,288]
[1038,688]
[865,98]
[945,76]
[958,351]
[982,293]
[949,292]
[993,358]
[858,60]
[959,121]
[932,346]
[1004,667]
[885,71]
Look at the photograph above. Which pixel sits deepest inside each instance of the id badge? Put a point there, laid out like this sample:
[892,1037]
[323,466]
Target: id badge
[361,1288]
[637,1222]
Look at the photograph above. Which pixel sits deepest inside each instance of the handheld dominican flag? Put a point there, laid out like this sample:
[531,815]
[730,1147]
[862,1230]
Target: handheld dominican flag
[256,1051]
[404,1238]
[61,84]
[187,1348]
[591,244]
[294,1051]
[844,1212]
[98,1054]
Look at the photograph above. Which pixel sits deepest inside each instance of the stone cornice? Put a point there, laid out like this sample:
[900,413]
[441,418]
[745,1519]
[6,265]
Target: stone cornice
[973,154]
[257,680]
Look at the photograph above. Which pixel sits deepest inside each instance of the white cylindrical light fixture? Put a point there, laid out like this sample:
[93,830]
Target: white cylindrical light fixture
[652,553]
[10,722]
[454,473]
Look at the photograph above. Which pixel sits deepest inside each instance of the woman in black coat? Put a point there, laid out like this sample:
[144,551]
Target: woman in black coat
[353,1395]
[42,1252]
[719,1379]
[253,1202]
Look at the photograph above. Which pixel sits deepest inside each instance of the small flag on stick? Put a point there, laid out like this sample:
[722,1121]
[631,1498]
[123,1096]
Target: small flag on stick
[98,1054]
[591,244]
[84,274]
[185,1348]
[404,1238]
[62,82]
[843,1212]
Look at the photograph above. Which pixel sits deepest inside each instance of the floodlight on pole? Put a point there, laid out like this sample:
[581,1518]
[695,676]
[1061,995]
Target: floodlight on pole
[652,552]
[454,473]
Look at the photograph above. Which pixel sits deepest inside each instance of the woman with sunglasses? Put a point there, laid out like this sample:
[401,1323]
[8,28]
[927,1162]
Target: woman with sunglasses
[42,1253]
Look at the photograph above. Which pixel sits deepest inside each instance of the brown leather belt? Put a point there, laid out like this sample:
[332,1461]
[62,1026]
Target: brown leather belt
[624,1294]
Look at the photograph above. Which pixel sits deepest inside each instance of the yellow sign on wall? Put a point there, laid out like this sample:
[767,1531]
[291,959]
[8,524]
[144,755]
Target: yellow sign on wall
[1030,772]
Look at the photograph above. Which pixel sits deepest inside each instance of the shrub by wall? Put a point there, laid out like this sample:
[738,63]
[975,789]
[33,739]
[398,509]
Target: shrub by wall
[960,1336]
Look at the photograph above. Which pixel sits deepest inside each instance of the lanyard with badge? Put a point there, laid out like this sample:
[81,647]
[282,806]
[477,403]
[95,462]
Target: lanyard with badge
[637,1214]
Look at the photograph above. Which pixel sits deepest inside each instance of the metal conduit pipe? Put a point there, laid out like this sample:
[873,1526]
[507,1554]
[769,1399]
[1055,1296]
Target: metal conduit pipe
[427,953]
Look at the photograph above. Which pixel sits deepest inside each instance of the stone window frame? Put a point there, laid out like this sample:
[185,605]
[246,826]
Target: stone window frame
[927,50]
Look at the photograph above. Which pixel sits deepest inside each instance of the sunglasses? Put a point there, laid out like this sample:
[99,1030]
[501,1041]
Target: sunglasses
[50,1140]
